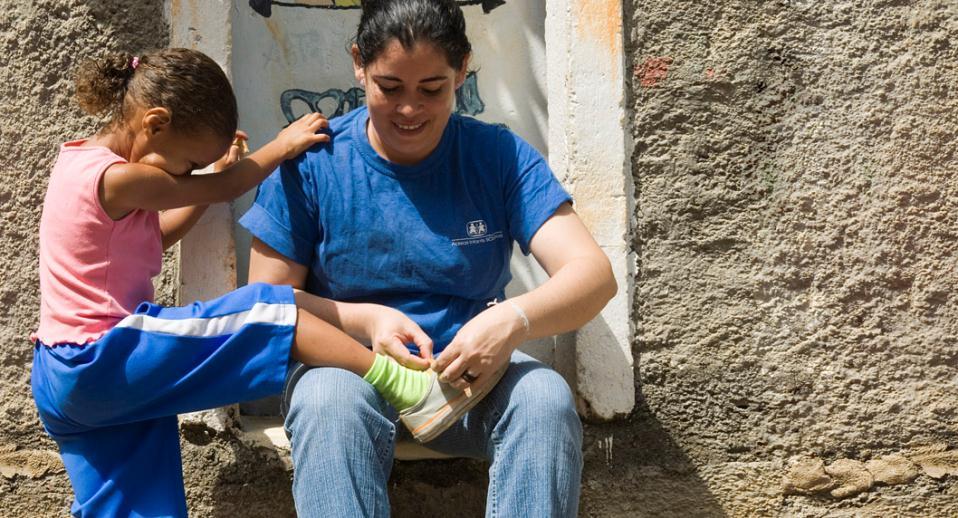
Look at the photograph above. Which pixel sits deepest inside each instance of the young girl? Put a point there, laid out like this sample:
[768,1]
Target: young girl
[111,369]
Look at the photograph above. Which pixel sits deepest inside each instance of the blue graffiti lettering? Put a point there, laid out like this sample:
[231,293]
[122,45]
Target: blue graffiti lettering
[467,96]
[345,101]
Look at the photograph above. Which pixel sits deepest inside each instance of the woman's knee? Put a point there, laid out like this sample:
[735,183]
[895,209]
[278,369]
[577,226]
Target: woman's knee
[333,399]
[541,400]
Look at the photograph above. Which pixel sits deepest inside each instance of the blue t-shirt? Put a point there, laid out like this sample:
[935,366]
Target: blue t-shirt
[432,240]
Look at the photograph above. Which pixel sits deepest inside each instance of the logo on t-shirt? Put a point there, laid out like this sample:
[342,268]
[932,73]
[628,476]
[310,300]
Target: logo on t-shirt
[478,232]
[476,228]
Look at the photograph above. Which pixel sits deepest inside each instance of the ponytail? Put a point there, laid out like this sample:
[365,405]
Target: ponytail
[187,82]
[101,84]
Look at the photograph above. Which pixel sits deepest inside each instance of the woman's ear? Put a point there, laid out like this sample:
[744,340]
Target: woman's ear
[358,69]
[156,120]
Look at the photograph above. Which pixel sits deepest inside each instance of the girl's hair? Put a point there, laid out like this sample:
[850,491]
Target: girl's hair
[439,22]
[186,82]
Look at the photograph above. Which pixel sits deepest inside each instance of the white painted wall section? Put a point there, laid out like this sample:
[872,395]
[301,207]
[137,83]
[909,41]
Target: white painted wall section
[207,253]
[589,151]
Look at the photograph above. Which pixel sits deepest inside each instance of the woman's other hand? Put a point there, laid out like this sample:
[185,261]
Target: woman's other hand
[389,330]
[481,346]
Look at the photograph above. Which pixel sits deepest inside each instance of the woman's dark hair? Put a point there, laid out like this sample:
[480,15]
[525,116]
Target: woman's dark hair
[439,22]
[186,82]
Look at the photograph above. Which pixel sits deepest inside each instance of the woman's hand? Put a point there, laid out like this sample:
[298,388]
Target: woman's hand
[389,330]
[481,346]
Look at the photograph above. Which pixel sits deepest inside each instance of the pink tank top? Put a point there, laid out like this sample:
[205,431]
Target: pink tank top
[93,271]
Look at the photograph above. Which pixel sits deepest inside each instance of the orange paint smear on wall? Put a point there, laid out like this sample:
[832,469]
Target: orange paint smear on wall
[279,37]
[601,21]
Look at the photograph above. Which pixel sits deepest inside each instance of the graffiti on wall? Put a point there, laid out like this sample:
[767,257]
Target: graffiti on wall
[335,102]
[468,101]
[265,7]
[331,103]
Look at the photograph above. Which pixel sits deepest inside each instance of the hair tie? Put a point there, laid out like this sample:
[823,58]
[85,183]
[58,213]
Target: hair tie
[135,62]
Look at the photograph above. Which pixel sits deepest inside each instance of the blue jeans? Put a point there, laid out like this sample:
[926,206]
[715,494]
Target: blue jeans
[343,437]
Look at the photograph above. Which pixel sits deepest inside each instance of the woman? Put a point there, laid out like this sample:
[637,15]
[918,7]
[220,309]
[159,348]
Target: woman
[414,208]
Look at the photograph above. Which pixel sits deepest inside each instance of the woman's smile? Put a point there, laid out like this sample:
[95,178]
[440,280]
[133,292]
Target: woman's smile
[410,129]
[410,94]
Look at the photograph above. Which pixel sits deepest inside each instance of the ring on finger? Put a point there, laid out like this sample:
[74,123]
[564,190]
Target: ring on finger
[469,377]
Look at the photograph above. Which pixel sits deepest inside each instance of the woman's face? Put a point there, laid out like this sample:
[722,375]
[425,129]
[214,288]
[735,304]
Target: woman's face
[410,95]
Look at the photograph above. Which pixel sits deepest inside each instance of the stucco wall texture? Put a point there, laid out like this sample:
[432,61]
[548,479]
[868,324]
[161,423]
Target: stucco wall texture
[796,328]
[796,238]
[40,42]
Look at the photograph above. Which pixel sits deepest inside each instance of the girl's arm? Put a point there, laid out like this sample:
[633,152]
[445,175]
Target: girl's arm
[579,286]
[386,329]
[175,223]
[127,187]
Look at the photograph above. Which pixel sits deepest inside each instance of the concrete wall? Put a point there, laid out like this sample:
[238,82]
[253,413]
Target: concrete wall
[795,333]
[797,241]
[40,42]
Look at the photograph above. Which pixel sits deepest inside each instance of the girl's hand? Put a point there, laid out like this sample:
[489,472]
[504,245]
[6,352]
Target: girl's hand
[389,330]
[237,151]
[301,134]
[481,346]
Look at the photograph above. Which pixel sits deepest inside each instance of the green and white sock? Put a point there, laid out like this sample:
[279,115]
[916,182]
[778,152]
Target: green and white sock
[401,386]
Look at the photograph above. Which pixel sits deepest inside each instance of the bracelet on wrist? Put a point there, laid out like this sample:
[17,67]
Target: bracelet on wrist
[522,314]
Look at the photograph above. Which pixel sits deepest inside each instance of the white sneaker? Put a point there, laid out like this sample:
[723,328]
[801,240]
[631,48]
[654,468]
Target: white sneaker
[444,404]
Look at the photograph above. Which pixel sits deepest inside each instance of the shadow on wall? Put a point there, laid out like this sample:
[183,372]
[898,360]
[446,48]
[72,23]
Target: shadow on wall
[637,457]
[417,488]
[235,490]
[634,468]
[434,487]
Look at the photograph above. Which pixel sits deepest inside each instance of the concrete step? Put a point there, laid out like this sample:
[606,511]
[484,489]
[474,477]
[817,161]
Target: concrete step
[268,432]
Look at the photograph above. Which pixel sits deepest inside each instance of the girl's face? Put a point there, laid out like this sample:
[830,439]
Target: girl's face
[176,152]
[410,95]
